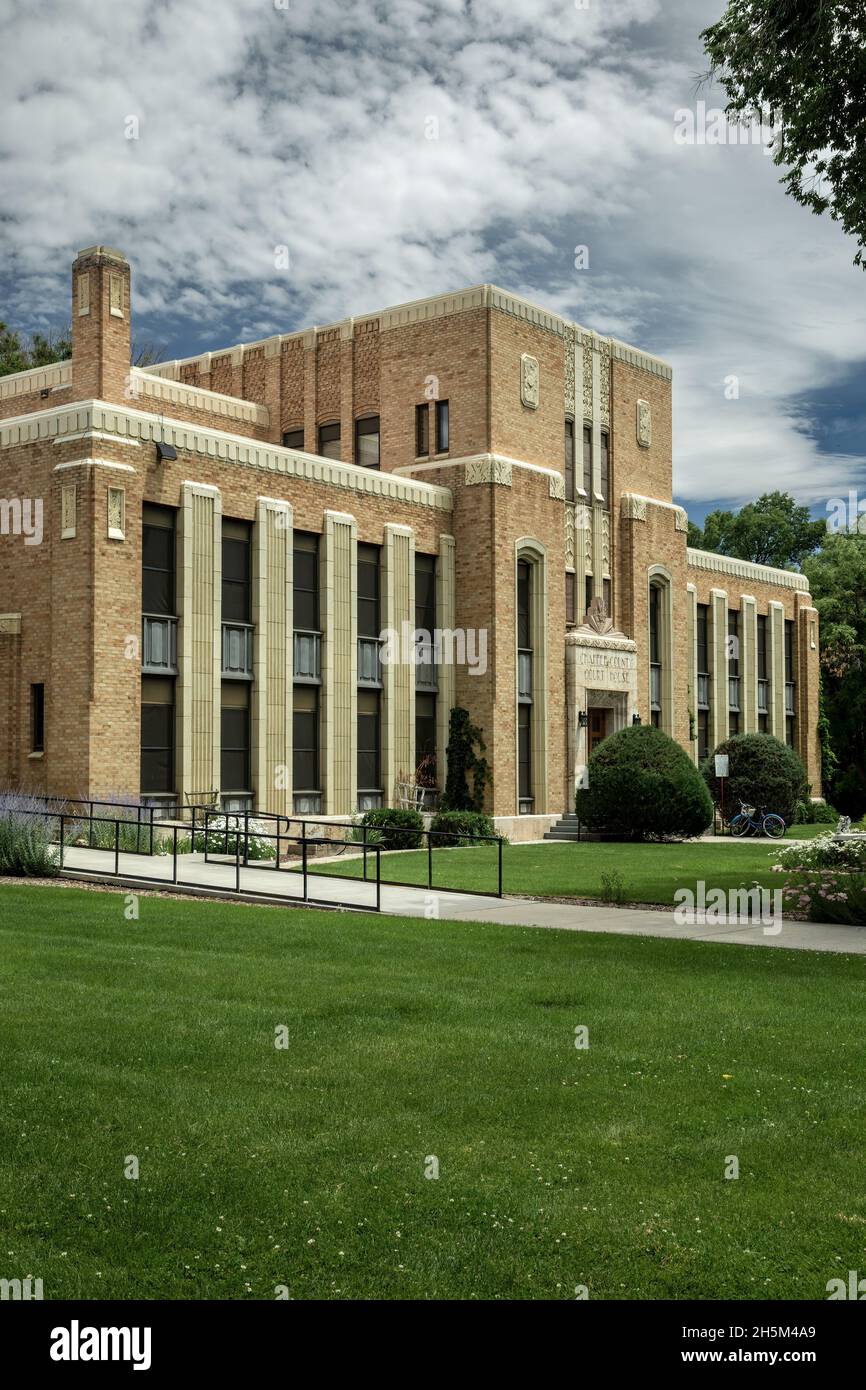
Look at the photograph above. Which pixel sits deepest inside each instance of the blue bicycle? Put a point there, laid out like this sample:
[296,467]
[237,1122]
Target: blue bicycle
[745,822]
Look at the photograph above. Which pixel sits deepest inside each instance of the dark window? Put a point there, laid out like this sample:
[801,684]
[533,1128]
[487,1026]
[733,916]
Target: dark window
[762,647]
[733,723]
[570,582]
[569,460]
[789,651]
[158,560]
[329,440]
[524,751]
[442,427]
[425,730]
[703,639]
[733,642]
[763,724]
[422,430]
[654,616]
[605,589]
[524,633]
[605,466]
[236,581]
[587,592]
[235,744]
[293,439]
[367,441]
[305,739]
[587,460]
[306,581]
[37,718]
[425,607]
[703,734]
[369,624]
[157,734]
[369,774]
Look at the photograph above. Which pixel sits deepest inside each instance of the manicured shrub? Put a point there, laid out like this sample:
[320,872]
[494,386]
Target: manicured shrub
[763,772]
[26,840]
[392,828]
[460,828]
[815,813]
[643,786]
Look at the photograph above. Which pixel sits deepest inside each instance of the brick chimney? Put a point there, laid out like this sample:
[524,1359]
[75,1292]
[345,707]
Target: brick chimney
[101,340]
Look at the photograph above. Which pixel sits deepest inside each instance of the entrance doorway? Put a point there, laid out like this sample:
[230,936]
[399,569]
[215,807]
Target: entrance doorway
[597,726]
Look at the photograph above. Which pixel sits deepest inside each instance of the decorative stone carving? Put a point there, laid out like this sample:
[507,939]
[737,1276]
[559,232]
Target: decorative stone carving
[10,623]
[569,372]
[605,544]
[116,500]
[681,519]
[604,385]
[83,293]
[644,424]
[529,381]
[67,511]
[587,379]
[633,507]
[487,470]
[569,536]
[115,296]
[596,618]
[557,487]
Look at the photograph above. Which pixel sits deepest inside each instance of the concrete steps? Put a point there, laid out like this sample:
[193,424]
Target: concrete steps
[567,828]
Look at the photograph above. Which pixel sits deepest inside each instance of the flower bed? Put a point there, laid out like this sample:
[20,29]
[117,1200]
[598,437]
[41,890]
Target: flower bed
[825,880]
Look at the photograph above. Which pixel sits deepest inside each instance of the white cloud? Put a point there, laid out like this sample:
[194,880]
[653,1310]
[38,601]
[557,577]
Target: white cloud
[310,127]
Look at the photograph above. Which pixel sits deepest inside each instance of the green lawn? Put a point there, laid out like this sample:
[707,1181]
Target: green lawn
[304,1167]
[649,873]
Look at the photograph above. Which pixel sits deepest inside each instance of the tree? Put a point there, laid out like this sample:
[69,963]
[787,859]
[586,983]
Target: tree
[463,762]
[643,785]
[837,579]
[800,65]
[772,531]
[17,354]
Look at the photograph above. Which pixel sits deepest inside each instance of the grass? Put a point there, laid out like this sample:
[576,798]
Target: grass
[649,873]
[304,1167]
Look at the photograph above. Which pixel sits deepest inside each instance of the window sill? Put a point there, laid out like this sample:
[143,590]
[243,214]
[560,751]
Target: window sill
[36,757]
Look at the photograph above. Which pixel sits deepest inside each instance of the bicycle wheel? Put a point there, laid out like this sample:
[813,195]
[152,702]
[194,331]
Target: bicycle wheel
[773,826]
[740,825]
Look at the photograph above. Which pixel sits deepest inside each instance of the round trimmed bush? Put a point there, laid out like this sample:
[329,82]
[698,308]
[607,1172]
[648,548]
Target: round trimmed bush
[460,828]
[393,827]
[764,773]
[643,786]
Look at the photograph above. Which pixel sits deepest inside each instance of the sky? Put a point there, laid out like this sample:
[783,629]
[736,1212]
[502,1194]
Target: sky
[272,164]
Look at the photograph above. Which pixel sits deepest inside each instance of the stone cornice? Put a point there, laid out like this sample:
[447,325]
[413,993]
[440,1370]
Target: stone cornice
[477,466]
[198,398]
[128,426]
[633,507]
[617,642]
[744,569]
[36,379]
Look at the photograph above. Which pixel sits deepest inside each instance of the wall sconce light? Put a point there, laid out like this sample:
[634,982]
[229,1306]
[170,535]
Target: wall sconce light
[165,451]
[635,719]
[582,719]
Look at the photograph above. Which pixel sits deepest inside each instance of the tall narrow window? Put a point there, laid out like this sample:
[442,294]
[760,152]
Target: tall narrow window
[655,595]
[157,735]
[329,440]
[790,687]
[158,560]
[524,758]
[587,460]
[306,581]
[569,460]
[293,439]
[604,463]
[236,576]
[306,786]
[524,688]
[570,585]
[703,700]
[442,427]
[37,718]
[368,591]
[369,743]
[367,441]
[763,677]
[235,734]
[605,592]
[425,621]
[587,592]
[422,430]
[733,671]
[425,735]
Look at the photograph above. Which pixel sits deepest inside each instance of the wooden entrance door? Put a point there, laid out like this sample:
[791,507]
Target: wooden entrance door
[597,727]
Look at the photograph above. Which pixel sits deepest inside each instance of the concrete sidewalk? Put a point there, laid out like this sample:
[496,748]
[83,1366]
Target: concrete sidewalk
[286,887]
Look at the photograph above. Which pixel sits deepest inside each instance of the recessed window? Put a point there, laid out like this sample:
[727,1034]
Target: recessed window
[158,560]
[569,460]
[605,592]
[157,734]
[329,440]
[293,439]
[235,737]
[587,459]
[369,624]
[605,467]
[37,718]
[306,581]
[570,582]
[236,577]
[369,765]
[442,427]
[587,592]
[305,739]
[367,441]
[422,430]
[425,732]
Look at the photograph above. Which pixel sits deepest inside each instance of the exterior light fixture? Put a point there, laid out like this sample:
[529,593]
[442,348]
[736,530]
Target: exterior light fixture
[582,719]
[635,719]
[165,451]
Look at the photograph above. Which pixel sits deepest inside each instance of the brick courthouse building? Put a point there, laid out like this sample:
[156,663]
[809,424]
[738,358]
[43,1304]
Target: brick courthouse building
[224,540]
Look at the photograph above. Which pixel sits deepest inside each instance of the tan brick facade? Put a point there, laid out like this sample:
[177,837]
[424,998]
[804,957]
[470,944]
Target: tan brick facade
[96,442]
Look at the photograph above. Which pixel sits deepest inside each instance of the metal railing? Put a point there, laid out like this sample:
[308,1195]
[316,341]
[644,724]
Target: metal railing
[364,843]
